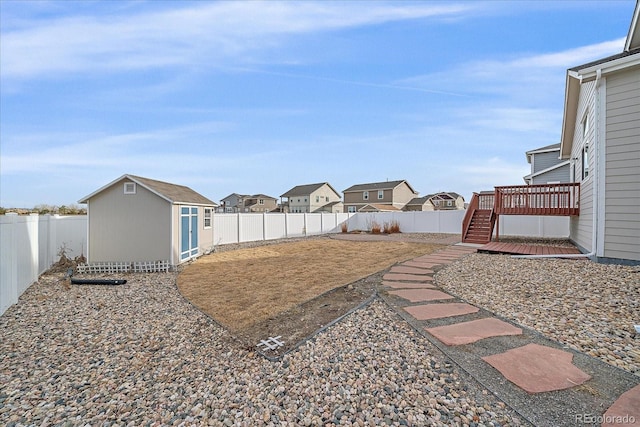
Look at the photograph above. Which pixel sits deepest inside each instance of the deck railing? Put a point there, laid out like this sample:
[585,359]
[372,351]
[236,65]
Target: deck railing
[539,199]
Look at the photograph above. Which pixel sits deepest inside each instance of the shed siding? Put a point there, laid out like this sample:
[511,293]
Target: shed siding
[205,235]
[144,218]
[581,231]
[622,166]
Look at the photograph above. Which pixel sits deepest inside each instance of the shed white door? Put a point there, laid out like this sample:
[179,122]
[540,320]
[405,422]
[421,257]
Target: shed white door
[188,232]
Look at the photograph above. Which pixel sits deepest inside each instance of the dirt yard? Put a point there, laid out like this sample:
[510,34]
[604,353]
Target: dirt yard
[290,289]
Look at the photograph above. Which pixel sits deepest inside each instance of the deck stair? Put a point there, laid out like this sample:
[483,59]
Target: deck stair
[480,227]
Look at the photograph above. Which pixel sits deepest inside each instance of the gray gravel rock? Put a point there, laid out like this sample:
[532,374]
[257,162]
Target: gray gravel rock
[590,307]
[139,354]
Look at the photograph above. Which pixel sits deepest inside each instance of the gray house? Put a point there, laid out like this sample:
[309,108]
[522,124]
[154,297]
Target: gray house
[546,166]
[136,219]
[601,139]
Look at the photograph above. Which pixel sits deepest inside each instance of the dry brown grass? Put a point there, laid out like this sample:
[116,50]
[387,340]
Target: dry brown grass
[242,287]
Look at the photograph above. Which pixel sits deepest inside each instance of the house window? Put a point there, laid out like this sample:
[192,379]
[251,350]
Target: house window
[585,126]
[129,188]
[327,198]
[317,199]
[448,202]
[585,161]
[365,195]
[351,209]
[207,218]
[585,146]
[380,194]
[261,201]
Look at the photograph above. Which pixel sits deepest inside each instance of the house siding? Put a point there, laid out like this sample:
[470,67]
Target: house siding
[560,174]
[542,161]
[322,193]
[144,218]
[622,166]
[581,231]
[401,196]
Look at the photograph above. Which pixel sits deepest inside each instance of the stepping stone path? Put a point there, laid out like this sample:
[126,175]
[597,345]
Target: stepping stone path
[533,367]
[538,368]
[468,332]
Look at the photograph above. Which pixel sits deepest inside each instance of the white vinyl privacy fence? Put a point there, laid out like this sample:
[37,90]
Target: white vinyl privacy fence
[250,227]
[29,245]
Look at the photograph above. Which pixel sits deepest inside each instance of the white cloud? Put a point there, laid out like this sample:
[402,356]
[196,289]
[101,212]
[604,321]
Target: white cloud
[205,33]
[515,77]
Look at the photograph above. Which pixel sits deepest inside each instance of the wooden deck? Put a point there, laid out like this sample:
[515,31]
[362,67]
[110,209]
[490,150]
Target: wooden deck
[524,249]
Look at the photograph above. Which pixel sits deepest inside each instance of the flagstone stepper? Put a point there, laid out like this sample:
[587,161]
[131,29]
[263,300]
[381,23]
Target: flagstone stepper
[404,276]
[438,311]
[408,285]
[625,411]
[410,270]
[536,368]
[417,295]
[420,264]
[475,330]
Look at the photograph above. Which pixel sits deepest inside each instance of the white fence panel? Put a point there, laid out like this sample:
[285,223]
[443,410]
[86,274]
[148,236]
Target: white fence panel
[251,227]
[411,222]
[225,229]
[296,225]
[313,224]
[275,226]
[331,222]
[29,245]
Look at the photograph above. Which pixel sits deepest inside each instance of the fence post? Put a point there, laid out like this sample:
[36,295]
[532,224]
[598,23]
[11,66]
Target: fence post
[264,226]
[10,296]
[53,238]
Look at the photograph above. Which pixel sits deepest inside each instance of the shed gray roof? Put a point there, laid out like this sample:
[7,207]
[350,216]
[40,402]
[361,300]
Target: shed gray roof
[173,193]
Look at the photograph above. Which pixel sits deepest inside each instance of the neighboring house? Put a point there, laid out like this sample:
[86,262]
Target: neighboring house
[140,219]
[319,197]
[601,138]
[245,203]
[389,193]
[546,166]
[259,203]
[232,203]
[436,202]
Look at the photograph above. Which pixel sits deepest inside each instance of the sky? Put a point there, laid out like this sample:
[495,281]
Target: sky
[257,97]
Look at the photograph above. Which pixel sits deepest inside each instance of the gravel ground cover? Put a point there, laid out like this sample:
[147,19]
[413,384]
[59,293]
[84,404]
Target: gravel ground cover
[140,354]
[587,306]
